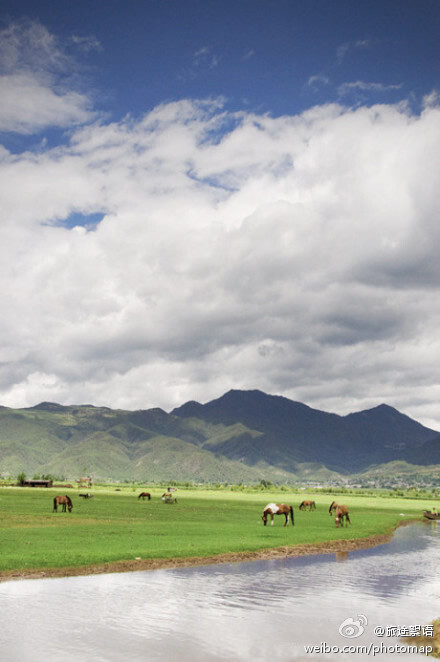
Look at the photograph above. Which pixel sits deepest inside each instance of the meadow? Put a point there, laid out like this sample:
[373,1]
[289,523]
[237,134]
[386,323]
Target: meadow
[115,526]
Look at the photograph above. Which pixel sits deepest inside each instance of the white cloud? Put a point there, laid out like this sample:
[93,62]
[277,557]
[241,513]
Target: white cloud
[86,43]
[363,86]
[248,54]
[35,85]
[295,254]
[431,99]
[28,45]
[29,104]
[316,82]
[341,52]
[348,47]
[204,58]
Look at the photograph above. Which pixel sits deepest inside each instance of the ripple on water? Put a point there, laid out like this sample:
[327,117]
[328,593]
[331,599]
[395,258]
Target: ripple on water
[259,610]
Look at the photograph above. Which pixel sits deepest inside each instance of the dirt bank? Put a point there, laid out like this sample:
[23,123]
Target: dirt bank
[424,641]
[338,547]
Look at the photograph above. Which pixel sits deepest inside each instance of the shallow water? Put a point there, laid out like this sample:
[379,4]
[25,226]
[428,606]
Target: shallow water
[265,610]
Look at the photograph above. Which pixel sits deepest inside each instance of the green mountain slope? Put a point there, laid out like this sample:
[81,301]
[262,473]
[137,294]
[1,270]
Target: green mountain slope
[292,433]
[242,436]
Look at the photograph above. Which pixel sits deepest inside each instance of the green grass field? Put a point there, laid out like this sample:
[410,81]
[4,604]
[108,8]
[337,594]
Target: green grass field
[115,526]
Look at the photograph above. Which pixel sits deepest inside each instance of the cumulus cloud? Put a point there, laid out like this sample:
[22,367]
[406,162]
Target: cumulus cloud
[294,254]
[29,105]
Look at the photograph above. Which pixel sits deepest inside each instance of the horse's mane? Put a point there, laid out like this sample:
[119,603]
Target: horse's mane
[68,499]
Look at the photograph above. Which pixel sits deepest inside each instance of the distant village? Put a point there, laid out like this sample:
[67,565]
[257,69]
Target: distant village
[411,484]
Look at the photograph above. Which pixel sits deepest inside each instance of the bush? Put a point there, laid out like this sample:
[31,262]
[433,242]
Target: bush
[21,478]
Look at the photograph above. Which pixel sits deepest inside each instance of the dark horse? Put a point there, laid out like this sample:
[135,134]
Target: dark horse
[278,509]
[64,501]
[311,505]
[142,496]
[340,513]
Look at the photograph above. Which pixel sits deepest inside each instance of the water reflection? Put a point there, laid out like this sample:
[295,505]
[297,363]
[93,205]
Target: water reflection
[249,611]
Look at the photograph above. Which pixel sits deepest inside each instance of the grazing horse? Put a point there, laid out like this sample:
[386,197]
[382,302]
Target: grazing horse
[311,505]
[142,496]
[62,501]
[167,497]
[340,513]
[278,509]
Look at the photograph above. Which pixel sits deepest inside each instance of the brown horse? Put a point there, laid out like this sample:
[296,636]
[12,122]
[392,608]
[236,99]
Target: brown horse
[340,513]
[64,501]
[167,497]
[311,505]
[278,509]
[142,496]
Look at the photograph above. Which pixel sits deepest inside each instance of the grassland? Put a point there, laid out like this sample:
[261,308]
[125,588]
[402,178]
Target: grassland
[115,528]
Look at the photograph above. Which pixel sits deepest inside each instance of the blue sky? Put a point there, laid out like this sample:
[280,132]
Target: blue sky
[277,57]
[203,195]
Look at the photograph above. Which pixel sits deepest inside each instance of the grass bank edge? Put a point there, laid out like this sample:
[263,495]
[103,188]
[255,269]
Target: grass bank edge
[386,519]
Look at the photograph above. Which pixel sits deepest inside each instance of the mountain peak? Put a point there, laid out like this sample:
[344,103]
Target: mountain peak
[248,427]
[188,410]
[48,406]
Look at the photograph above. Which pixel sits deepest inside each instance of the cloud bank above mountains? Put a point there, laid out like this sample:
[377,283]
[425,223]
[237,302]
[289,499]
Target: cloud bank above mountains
[295,254]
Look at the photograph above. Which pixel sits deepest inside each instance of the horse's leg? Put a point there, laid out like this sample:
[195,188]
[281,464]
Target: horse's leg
[286,523]
[271,517]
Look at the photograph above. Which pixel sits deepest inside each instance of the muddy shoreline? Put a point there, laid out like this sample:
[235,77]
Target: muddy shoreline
[135,565]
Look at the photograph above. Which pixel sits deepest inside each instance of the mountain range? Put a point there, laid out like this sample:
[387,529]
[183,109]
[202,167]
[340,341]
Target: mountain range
[241,436]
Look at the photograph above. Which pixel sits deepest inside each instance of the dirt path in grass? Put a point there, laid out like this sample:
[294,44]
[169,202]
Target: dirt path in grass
[329,547]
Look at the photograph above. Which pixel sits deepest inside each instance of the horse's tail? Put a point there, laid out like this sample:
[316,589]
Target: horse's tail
[331,507]
[291,516]
[54,503]
[149,496]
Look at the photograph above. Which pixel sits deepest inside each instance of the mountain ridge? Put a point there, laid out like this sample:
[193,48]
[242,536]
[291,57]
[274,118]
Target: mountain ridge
[242,435]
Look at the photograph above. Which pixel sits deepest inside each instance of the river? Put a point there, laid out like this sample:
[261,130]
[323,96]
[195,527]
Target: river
[262,610]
